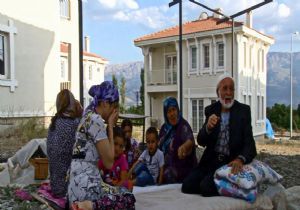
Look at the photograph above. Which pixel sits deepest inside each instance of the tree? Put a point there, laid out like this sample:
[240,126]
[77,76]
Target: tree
[122,92]
[115,80]
[142,88]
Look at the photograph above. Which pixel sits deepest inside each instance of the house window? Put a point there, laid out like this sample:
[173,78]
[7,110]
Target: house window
[62,69]
[90,72]
[197,114]
[64,8]
[193,58]
[7,56]
[220,47]
[206,55]
[2,57]
[171,69]
[98,69]
[212,101]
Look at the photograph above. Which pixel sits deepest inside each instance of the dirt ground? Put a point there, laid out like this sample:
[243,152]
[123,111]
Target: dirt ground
[282,155]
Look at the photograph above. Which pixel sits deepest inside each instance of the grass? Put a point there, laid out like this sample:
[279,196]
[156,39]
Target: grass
[26,130]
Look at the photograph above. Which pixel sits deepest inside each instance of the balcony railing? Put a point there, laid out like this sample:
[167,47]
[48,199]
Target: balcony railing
[162,77]
[65,85]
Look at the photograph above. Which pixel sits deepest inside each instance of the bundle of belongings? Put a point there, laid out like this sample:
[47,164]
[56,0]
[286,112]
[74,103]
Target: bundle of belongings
[245,184]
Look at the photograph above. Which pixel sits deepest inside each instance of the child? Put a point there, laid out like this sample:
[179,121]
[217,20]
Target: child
[131,145]
[118,173]
[148,170]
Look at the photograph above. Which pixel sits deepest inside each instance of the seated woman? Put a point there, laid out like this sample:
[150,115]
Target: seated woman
[60,140]
[86,189]
[177,143]
[131,146]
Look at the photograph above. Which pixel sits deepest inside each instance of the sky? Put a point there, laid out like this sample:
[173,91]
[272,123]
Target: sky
[112,25]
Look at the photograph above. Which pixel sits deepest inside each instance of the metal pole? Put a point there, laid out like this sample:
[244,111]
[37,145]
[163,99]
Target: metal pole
[180,56]
[291,78]
[180,50]
[80,52]
[232,40]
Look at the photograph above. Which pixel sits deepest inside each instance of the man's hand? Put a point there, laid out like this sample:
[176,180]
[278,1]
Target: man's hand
[212,121]
[237,165]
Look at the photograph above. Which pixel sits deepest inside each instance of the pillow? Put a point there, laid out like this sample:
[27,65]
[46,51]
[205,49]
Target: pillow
[229,189]
[252,174]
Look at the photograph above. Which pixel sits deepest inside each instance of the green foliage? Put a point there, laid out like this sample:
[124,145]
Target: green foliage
[26,130]
[136,110]
[123,91]
[142,88]
[32,128]
[8,199]
[279,116]
[115,80]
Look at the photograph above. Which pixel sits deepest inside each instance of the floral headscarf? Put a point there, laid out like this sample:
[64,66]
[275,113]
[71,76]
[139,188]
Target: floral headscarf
[106,91]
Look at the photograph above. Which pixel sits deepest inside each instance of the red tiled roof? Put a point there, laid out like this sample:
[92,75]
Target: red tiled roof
[64,49]
[208,24]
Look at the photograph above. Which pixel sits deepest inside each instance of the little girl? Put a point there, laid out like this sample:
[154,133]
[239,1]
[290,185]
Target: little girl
[117,175]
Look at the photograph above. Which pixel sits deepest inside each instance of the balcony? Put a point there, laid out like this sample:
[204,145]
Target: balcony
[162,77]
[162,80]
[65,85]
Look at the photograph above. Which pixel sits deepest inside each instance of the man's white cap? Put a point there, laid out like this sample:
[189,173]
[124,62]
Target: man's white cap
[221,77]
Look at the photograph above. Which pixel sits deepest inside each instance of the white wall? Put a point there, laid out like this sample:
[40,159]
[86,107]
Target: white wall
[36,56]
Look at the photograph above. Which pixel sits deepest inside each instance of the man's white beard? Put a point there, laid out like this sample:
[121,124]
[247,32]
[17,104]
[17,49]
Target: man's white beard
[228,105]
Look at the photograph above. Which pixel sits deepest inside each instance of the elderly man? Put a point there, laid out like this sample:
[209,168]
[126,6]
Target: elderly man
[227,138]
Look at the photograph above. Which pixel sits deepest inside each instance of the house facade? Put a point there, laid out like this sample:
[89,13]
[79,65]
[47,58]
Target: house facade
[30,33]
[206,54]
[93,69]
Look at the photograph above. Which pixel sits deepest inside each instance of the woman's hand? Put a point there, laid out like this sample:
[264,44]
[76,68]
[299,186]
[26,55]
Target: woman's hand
[237,165]
[182,152]
[113,118]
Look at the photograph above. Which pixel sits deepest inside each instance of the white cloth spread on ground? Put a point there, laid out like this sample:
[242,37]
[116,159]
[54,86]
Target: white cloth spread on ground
[169,197]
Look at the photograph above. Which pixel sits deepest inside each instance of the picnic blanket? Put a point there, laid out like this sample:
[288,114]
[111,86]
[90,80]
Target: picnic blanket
[170,197]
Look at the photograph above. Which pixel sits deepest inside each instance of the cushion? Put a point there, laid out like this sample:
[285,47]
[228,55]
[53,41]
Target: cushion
[251,175]
[226,188]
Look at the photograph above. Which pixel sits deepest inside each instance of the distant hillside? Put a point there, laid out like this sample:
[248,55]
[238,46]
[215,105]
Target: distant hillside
[131,72]
[278,82]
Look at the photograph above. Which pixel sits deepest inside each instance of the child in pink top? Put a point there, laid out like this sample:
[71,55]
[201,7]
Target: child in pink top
[117,175]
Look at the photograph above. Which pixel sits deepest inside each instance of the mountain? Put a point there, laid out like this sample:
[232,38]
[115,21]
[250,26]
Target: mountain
[131,71]
[278,78]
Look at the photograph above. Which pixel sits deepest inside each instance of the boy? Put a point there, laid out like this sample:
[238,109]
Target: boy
[148,169]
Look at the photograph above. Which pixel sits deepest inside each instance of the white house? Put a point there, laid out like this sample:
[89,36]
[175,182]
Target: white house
[93,69]
[31,69]
[206,54]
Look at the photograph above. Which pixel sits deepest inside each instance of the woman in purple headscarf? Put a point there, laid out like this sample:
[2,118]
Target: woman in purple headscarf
[177,143]
[86,189]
